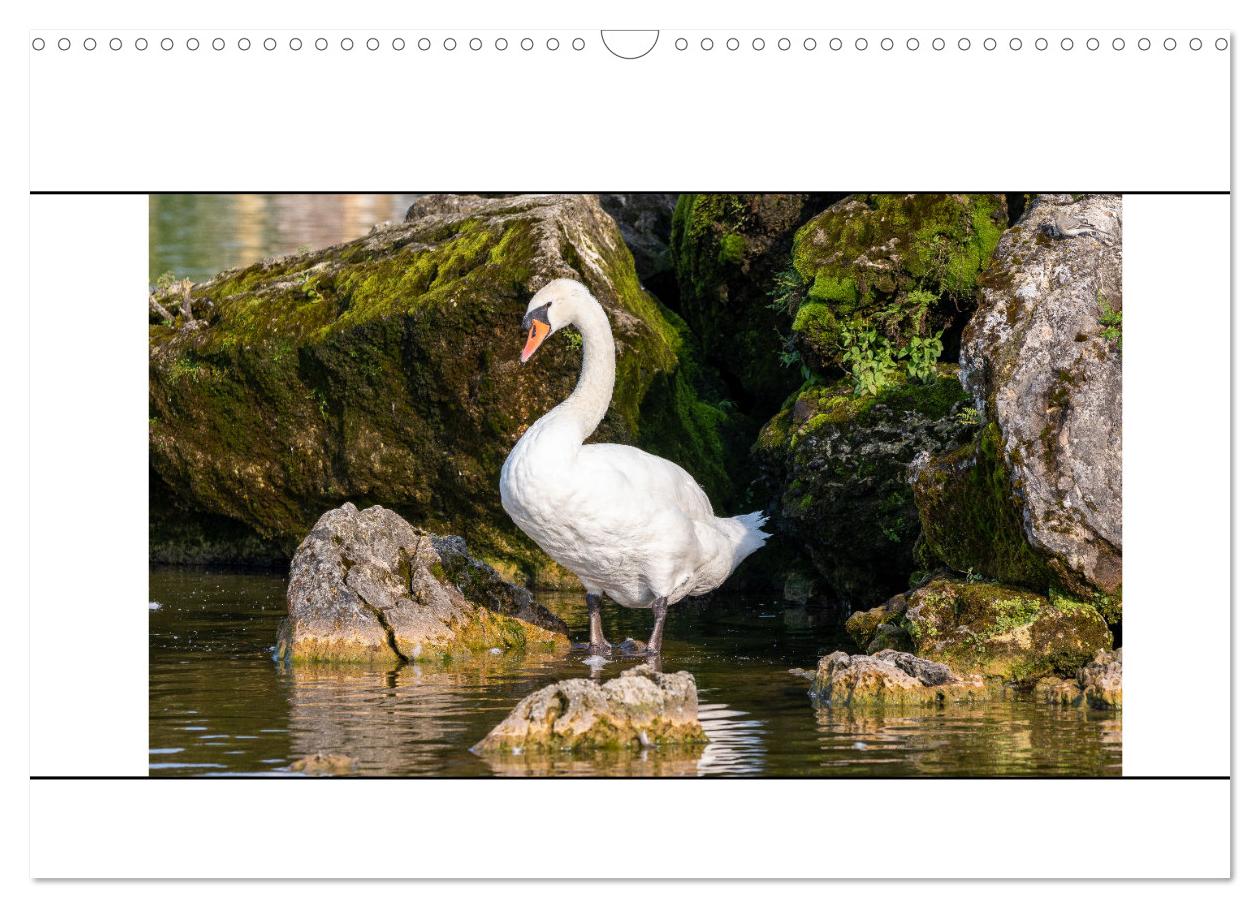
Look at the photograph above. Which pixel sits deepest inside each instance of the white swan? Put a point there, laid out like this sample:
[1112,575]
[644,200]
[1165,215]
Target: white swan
[630,525]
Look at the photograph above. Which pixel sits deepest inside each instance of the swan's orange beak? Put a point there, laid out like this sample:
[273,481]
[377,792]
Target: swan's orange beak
[538,332]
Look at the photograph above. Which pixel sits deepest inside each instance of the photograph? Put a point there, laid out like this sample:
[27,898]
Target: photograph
[655,484]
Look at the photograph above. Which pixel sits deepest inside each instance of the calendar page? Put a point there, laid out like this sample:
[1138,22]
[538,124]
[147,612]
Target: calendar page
[721,431]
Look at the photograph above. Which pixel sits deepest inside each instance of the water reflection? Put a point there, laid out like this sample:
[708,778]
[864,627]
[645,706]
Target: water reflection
[219,704]
[197,236]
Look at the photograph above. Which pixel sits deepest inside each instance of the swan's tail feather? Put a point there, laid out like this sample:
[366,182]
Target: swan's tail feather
[747,534]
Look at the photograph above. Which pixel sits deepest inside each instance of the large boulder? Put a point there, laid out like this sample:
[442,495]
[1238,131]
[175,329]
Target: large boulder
[729,250]
[1000,632]
[385,369]
[1042,357]
[365,586]
[890,678]
[841,461]
[881,284]
[640,708]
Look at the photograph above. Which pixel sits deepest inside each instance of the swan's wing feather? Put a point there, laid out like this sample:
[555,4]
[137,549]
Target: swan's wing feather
[649,478]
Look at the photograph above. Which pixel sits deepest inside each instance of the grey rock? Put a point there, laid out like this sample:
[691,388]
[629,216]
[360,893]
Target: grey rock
[889,678]
[365,586]
[639,708]
[1041,364]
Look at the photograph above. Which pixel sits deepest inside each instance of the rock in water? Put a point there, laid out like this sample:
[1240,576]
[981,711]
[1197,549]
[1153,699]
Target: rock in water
[1042,357]
[365,586]
[889,678]
[1102,680]
[1097,684]
[1002,632]
[639,708]
[386,369]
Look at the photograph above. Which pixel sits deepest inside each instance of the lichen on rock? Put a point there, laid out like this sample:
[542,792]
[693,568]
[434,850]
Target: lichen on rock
[639,708]
[366,587]
[890,678]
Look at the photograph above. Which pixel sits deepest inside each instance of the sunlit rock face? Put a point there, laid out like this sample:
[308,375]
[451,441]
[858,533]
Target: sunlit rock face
[640,708]
[366,586]
[1042,358]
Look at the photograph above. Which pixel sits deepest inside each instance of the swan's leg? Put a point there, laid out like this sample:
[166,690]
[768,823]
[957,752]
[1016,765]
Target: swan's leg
[659,608]
[599,646]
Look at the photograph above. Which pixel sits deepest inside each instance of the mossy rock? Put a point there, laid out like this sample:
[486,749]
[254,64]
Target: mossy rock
[1001,631]
[385,370]
[365,587]
[841,461]
[639,709]
[971,514]
[904,266]
[728,250]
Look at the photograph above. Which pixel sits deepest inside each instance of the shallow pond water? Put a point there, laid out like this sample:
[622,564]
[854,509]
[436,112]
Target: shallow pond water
[219,704]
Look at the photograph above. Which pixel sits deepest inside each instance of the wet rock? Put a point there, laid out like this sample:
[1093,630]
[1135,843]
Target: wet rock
[728,251]
[1042,357]
[862,626]
[841,463]
[637,709]
[1102,679]
[365,586]
[386,369]
[1098,684]
[1002,632]
[890,678]
[325,764]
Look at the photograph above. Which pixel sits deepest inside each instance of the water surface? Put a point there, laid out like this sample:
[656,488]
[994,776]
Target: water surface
[219,704]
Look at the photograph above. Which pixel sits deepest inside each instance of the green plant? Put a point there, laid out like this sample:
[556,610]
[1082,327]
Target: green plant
[968,416]
[869,357]
[165,280]
[790,290]
[1111,321]
[921,355]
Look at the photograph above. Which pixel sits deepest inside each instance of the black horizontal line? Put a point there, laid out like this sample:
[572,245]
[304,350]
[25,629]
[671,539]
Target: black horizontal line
[581,191]
[1010,778]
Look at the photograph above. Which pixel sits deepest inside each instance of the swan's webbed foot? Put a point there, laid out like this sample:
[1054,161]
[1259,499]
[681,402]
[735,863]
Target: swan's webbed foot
[657,640]
[599,646]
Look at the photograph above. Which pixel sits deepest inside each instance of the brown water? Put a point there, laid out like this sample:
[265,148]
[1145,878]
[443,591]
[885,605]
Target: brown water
[197,236]
[220,705]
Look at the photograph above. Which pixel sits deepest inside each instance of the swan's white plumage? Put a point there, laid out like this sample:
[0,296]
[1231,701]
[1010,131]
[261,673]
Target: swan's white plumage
[629,524]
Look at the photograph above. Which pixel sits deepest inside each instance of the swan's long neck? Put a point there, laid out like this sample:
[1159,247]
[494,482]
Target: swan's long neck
[588,403]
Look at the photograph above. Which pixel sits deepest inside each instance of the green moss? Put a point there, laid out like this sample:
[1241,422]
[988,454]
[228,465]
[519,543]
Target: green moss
[893,272]
[842,460]
[971,515]
[1001,631]
[384,371]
